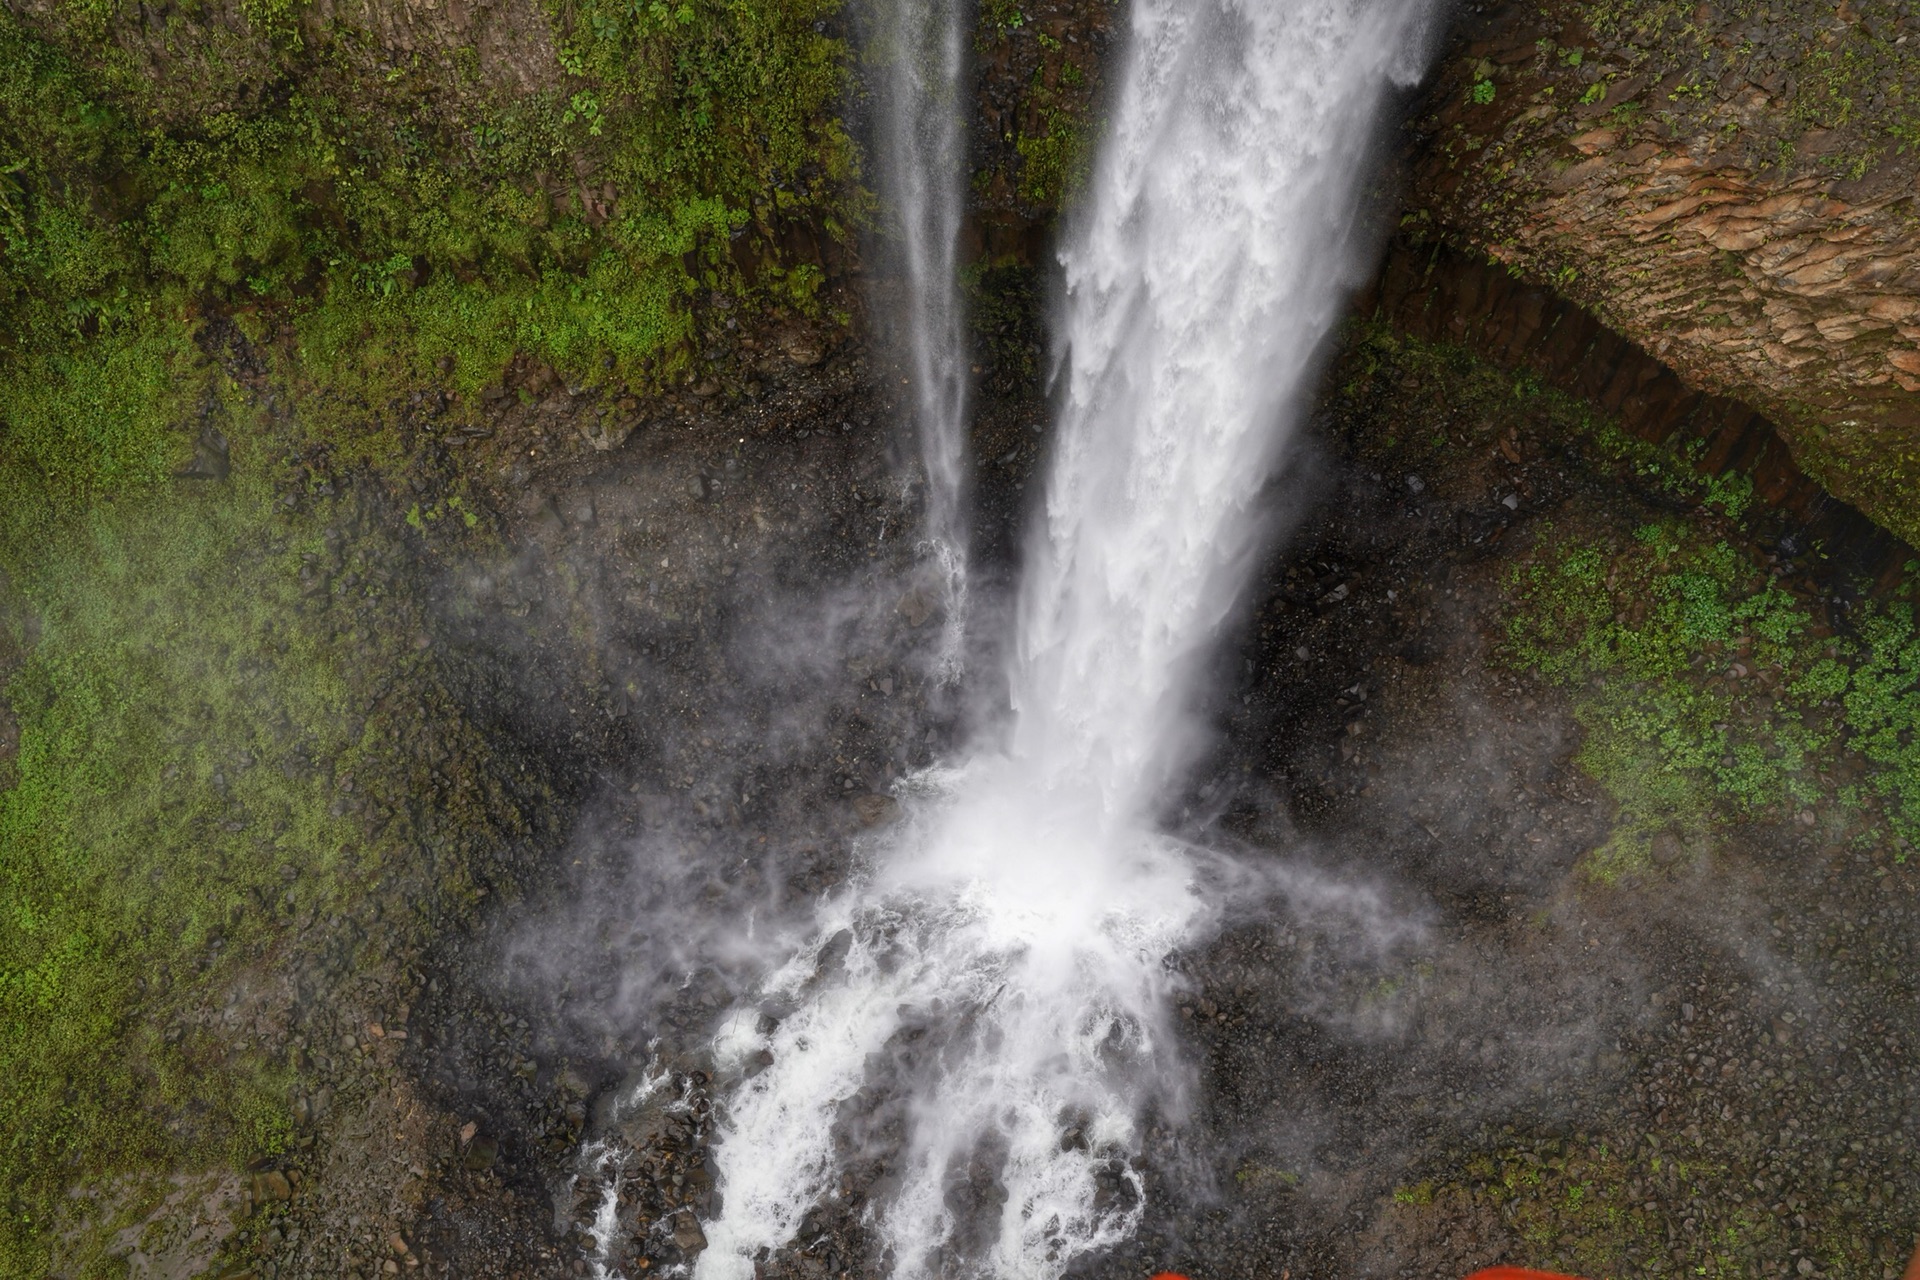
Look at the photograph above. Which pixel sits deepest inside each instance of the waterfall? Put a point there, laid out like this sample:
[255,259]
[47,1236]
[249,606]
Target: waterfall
[994,982]
[921,148]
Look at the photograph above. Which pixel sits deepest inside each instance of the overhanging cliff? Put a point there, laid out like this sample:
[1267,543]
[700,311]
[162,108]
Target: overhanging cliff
[1730,186]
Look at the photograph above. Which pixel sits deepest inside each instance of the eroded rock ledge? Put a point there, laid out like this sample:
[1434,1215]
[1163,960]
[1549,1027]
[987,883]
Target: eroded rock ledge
[1442,294]
[1729,187]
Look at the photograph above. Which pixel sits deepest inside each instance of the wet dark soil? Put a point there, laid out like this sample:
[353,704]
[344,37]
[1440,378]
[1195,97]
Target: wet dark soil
[1696,1072]
[1432,1042]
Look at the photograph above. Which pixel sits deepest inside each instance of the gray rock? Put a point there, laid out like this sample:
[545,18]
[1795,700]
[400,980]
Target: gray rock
[212,459]
[271,1185]
[609,432]
[1667,849]
[916,607]
[687,1235]
[875,810]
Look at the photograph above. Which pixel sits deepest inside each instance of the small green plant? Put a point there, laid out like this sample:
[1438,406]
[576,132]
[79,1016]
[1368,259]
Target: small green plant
[1481,93]
[1708,692]
[1004,15]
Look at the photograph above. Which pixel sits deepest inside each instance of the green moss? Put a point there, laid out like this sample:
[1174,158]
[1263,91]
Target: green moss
[1850,72]
[1002,15]
[1645,632]
[1663,1205]
[1710,689]
[165,807]
[1043,158]
[1055,157]
[1583,1208]
[1711,694]
[391,255]
[1003,306]
[224,732]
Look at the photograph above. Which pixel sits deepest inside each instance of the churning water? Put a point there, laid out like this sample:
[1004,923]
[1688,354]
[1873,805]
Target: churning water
[994,978]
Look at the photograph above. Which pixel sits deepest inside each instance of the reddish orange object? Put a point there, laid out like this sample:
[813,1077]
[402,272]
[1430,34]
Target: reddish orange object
[1492,1273]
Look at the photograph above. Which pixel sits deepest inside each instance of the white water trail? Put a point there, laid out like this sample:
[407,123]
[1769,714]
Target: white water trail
[991,990]
[921,136]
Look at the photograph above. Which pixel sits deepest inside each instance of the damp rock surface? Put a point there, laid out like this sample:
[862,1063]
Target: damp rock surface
[1455,1035]
[1714,184]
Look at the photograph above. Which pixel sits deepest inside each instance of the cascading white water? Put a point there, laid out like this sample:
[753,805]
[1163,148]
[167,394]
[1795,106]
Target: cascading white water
[998,967]
[920,128]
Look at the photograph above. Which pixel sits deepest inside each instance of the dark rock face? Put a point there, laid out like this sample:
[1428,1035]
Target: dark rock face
[1443,295]
[1715,188]
[212,457]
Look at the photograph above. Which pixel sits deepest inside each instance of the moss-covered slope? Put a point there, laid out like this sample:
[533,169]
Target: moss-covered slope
[388,199]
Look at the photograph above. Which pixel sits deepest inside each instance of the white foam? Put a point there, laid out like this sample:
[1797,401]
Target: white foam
[1001,970]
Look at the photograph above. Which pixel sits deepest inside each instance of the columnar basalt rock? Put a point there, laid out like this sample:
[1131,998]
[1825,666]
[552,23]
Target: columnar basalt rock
[1666,178]
[1445,295]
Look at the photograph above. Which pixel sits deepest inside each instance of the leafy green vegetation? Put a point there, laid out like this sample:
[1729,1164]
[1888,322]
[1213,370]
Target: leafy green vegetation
[1002,15]
[373,245]
[1043,157]
[1711,687]
[1710,691]
[1054,159]
[1706,690]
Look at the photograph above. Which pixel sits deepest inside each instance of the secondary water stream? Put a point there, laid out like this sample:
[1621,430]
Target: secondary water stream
[920,128]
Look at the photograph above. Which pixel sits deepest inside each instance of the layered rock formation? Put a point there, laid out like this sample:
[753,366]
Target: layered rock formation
[1445,295]
[1731,186]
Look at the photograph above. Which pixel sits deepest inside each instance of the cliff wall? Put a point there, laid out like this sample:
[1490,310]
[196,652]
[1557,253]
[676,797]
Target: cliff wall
[1730,186]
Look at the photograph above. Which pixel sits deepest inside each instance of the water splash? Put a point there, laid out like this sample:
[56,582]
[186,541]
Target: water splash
[921,135]
[998,967]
